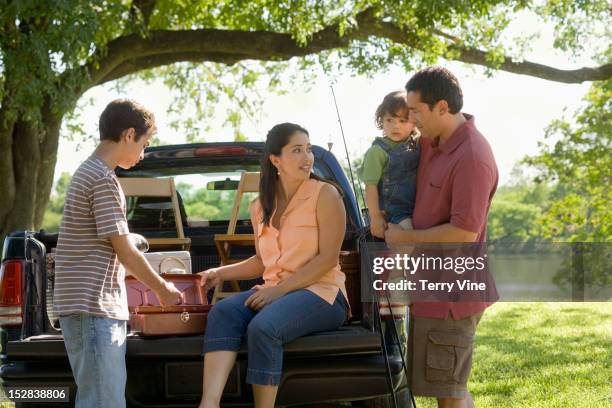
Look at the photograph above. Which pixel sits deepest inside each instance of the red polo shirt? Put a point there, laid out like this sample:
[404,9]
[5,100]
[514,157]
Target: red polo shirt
[455,184]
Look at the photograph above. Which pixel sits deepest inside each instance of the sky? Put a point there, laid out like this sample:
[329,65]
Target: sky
[510,110]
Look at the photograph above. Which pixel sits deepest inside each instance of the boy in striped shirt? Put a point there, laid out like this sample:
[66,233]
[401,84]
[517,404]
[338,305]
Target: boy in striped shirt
[93,251]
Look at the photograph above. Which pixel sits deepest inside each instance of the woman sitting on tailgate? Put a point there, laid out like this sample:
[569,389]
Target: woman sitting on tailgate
[299,222]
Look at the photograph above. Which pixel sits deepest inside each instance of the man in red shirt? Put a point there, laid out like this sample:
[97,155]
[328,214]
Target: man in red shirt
[456,181]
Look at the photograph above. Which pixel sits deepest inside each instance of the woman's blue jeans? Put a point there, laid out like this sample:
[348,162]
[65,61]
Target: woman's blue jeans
[294,315]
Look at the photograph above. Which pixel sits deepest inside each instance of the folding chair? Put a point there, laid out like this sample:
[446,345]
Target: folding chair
[249,182]
[158,187]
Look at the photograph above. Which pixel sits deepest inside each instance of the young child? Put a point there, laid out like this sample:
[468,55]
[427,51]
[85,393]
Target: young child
[390,165]
[93,251]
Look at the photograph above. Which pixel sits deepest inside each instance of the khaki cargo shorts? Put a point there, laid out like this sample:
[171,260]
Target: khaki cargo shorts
[440,355]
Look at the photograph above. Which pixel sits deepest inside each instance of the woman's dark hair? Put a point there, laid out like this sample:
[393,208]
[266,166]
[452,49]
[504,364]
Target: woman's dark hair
[122,114]
[435,84]
[277,138]
[393,104]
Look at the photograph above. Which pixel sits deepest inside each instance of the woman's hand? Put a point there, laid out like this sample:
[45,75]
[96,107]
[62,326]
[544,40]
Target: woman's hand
[263,297]
[209,278]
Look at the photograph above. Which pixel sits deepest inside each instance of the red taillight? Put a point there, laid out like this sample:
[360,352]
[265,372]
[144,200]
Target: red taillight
[11,275]
[11,279]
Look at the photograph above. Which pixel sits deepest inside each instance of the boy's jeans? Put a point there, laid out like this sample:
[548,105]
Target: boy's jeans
[96,350]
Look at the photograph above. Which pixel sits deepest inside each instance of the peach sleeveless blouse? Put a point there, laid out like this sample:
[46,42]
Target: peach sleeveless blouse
[296,242]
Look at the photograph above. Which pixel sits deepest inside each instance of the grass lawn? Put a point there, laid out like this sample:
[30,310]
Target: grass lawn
[542,355]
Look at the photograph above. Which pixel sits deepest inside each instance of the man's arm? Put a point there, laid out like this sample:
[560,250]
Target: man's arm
[133,260]
[440,233]
[472,186]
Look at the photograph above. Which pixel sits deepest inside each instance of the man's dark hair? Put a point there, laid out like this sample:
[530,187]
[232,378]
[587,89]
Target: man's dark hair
[122,114]
[435,84]
[393,104]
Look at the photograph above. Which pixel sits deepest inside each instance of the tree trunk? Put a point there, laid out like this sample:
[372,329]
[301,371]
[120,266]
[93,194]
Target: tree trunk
[48,159]
[27,164]
[7,180]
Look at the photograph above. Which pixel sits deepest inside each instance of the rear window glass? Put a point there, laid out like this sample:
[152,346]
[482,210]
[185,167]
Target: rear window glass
[205,195]
[211,196]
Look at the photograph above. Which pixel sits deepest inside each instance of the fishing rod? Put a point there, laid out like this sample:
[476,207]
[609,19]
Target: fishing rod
[376,309]
[348,159]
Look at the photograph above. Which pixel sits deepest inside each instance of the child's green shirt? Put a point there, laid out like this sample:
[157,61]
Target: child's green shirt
[375,162]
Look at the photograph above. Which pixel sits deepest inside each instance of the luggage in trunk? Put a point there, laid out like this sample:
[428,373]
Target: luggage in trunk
[169,262]
[149,318]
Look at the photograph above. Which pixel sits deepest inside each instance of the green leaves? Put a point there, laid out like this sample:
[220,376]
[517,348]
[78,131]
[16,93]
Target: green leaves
[43,47]
[516,211]
[49,49]
[578,159]
[199,89]
[578,23]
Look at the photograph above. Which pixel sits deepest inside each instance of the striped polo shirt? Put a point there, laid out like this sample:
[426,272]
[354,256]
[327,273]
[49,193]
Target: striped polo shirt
[88,276]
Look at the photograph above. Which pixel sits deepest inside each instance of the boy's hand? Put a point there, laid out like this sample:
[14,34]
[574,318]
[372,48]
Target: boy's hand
[378,225]
[169,295]
[209,278]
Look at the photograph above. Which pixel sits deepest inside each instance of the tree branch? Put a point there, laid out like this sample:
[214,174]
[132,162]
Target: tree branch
[131,53]
[478,57]
[573,76]
[137,64]
[193,45]
[196,45]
